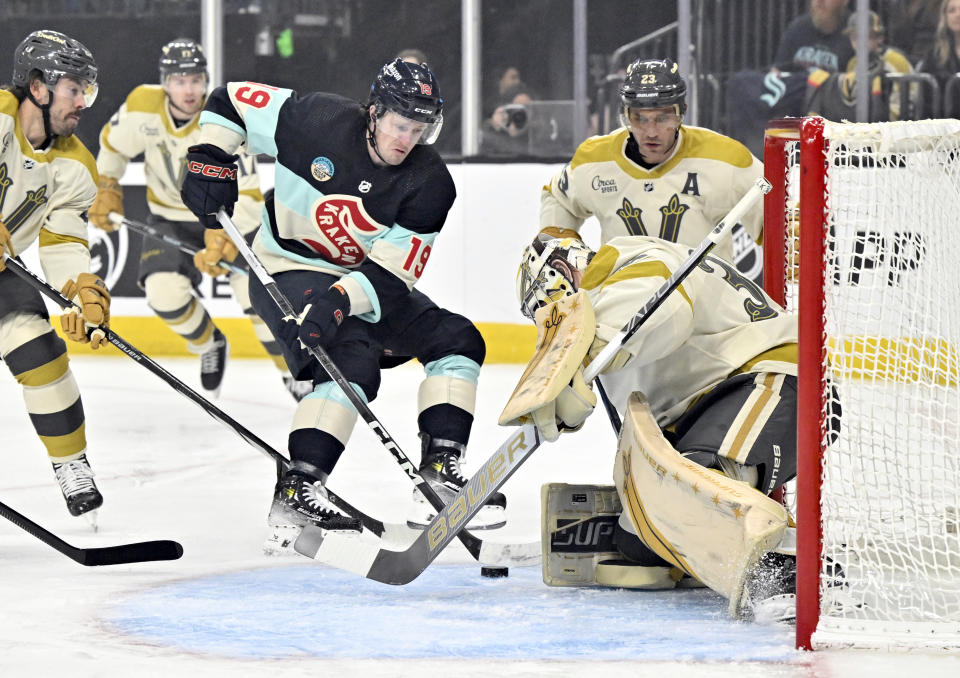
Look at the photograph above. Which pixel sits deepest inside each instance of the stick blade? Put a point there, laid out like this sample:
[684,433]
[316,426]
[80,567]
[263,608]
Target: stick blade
[145,551]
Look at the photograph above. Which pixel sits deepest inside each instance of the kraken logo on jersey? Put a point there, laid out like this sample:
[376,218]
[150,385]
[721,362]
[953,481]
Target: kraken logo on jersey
[343,224]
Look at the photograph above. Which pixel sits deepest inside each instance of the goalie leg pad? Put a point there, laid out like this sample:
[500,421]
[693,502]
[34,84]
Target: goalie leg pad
[579,540]
[710,526]
[745,425]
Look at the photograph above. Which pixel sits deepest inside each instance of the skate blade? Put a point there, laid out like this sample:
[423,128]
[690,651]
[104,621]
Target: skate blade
[91,518]
[776,609]
[279,541]
[487,518]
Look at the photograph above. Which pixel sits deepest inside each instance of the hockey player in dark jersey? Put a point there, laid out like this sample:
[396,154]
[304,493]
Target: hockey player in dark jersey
[359,199]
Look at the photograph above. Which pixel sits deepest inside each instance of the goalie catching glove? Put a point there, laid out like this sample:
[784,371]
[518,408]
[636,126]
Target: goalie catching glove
[210,183]
[90,293]
[109,199]
[551,390]
[217,247]
[567,411]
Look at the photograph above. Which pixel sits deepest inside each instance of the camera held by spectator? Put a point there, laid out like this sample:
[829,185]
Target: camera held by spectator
[516,116]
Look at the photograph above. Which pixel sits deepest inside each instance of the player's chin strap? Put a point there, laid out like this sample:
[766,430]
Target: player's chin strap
[45,112]
[372,136]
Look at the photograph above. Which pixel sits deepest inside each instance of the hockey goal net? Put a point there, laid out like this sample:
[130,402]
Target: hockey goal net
[862,239]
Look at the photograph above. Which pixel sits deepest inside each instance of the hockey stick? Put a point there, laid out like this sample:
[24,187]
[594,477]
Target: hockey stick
[148,230]
[379,528]
[473,544]
[138,552]
[400,567]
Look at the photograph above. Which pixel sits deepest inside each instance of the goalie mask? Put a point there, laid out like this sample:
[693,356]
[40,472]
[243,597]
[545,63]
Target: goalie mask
[551,269]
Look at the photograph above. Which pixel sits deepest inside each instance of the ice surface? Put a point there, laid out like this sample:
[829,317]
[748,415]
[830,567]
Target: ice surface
[169,471]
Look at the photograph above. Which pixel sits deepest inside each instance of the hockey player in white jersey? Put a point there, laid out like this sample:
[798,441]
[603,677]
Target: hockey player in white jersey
[710,375]
[47,182]
[161,122]
[654,175]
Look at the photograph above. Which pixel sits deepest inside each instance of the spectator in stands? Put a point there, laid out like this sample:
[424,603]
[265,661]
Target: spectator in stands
[942,60]
[413,56]
[506,79]
[833,95]
[816,39]
[912,25]
[813,40]
[506,131]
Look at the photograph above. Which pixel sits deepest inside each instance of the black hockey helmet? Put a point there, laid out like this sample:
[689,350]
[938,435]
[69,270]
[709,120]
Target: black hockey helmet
[410,90]
[654,83]
[181,56]
[55,55]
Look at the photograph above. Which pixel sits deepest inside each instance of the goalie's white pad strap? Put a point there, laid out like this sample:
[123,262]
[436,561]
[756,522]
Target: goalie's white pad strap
[565,330]
[710,526]
[626,575]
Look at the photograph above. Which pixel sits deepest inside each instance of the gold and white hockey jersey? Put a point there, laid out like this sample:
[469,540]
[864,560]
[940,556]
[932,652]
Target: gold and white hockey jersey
[679,200]
[716,324]
[44,195]
[143,124]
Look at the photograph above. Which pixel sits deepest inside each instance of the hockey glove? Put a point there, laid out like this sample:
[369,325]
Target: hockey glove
[322,316]
[109,199]
[217,247]
[93,297]
[567,411]
[6,245]
[210,183]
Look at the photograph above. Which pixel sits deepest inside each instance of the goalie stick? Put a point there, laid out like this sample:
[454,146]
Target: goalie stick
[491,553]
[473,544]
[148,230]
[400,567]
[138,552]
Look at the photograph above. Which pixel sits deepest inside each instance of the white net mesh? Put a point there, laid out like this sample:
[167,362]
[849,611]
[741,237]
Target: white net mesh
[890,499]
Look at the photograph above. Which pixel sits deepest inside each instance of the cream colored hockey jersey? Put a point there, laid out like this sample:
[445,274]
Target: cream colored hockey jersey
[679,200]
[44,196]
[716,324]
[143,124]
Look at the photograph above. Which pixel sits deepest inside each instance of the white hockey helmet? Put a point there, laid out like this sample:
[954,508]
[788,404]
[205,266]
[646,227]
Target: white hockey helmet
[551,269]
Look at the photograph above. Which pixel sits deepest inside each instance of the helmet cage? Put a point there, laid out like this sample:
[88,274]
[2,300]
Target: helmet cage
[411,91]
[550,270]
[55,55]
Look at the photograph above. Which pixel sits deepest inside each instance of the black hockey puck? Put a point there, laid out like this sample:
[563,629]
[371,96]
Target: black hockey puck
[494,572]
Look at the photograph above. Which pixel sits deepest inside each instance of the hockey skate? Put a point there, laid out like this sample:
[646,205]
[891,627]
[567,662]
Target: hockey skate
[770,590]
[300,499]
[213,364]
[299,389]
[75,478]
[440,467]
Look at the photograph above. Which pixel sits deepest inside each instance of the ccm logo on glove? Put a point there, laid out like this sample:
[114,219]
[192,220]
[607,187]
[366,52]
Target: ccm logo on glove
[212,171]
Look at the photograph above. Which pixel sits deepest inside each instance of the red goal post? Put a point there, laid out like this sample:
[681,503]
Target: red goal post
[862,240]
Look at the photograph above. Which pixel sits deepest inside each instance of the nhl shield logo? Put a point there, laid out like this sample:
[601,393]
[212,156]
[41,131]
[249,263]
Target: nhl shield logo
[322,169]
